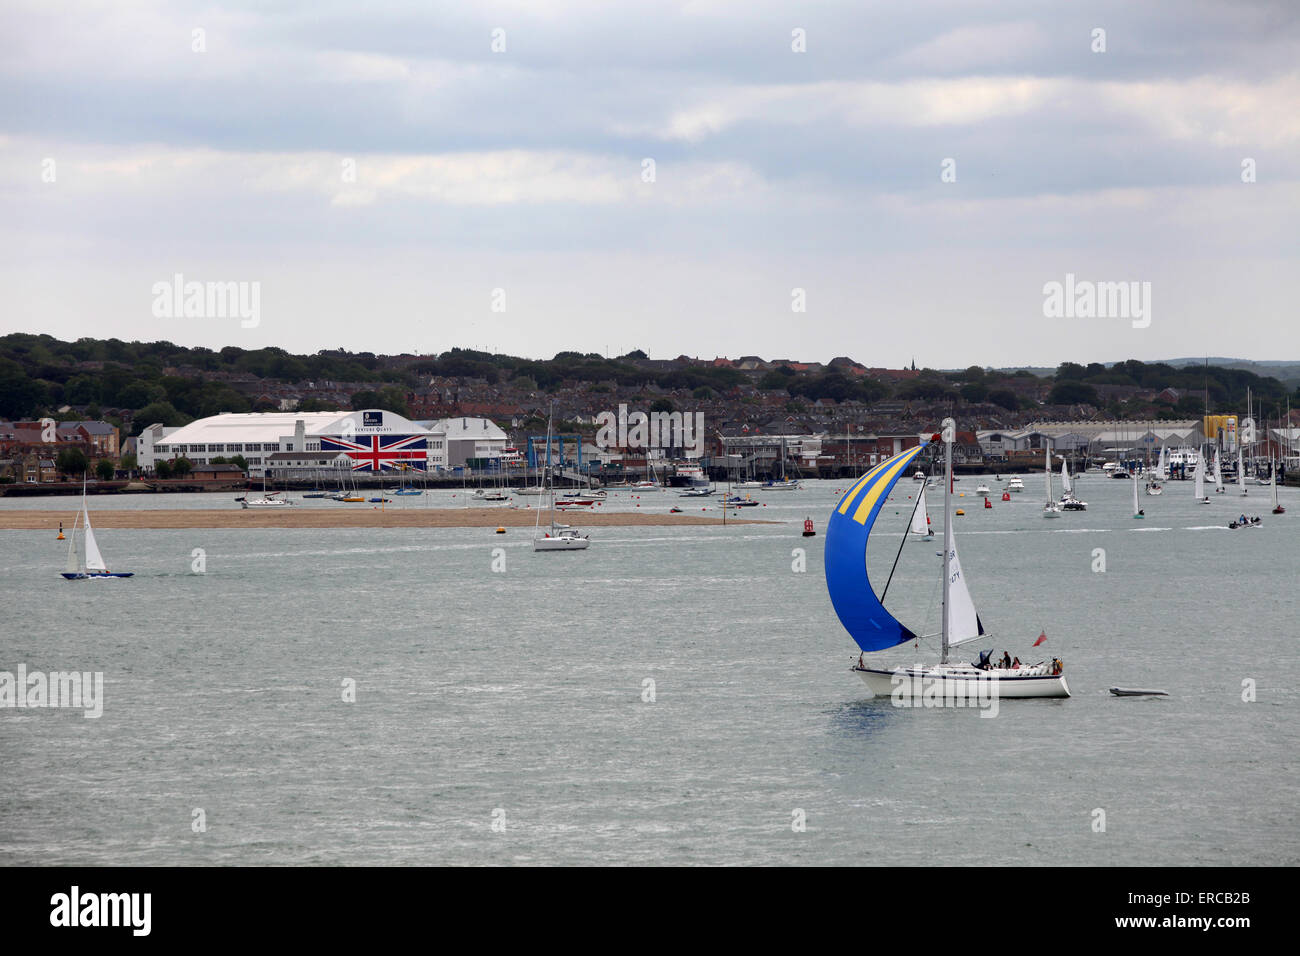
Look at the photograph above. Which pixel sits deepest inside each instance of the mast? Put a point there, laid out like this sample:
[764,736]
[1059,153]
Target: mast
[948,436]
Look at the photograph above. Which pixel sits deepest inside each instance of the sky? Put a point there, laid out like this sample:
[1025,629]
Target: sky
[792,180]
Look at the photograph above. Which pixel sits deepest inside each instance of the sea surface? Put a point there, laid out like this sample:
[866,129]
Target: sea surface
[506,716]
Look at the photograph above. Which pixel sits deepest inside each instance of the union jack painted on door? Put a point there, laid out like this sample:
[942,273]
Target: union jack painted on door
[381,452]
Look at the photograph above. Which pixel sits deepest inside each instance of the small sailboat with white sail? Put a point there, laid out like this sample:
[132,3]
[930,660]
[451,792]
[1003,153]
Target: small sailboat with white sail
[1218,475]
[1050,508]
[1068,501]
[1272,487]
[920,526]
[1137,509]
[94,567]
[874,628]
[1154,486]
[1198,482]
[559,538]
[1241,476]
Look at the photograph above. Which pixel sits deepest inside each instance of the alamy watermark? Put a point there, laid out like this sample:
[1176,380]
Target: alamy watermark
[620,429]
[1085,299]
[179,299]
[73,689]
[911,689]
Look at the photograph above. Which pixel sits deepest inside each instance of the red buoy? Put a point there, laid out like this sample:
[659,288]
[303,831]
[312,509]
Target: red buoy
[1006,496]
[808,531]
[986,503]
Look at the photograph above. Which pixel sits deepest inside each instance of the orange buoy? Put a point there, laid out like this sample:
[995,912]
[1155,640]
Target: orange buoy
[960,512]
[501,530]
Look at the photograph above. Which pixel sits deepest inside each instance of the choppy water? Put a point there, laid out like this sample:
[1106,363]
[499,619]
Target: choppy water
[521,691]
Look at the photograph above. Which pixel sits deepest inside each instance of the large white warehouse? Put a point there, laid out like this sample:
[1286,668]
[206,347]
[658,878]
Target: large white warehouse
[372,440]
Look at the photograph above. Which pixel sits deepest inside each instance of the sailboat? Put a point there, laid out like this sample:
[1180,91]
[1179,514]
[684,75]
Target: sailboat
[558,538]
[1241,475]
[783,483]
[876,629]
[1272,487]
[404,485]
[1051,509]
[1198,488]
[1153,484]
[1218,475]
[1068,501]
[267,500]
[1137,510]
[94,566]
[920,519]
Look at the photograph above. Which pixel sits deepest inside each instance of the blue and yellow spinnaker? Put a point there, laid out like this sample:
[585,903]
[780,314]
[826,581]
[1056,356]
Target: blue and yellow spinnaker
[860,611]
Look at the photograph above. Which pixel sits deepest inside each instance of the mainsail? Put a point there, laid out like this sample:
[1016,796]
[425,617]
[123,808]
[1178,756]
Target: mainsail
[1199,489]
[1065,477]
[94,560]
[859,610]
[1218,474]
[963,623]
[920,520]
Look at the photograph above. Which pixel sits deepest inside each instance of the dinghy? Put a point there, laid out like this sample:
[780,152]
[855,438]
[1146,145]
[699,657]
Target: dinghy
[1135,692]
[94,566]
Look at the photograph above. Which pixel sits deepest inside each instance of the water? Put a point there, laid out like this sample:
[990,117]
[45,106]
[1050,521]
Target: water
[522,691]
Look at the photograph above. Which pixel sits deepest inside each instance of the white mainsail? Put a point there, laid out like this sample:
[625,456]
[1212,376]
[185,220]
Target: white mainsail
[1136,507]
[1272,481]
[920,520]
[1241,474]
[1198,491]
[94,560]
[1047,472]
[1162,468]
[1065,477]
[963,622]
[1218,474]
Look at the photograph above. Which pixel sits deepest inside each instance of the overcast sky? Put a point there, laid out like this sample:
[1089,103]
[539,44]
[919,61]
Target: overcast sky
[774,170]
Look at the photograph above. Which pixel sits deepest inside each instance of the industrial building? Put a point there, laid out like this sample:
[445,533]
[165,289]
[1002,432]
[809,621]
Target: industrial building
[367,440]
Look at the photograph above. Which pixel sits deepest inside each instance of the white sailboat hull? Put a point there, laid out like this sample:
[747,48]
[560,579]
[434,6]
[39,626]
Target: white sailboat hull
[962,680]
[561,543]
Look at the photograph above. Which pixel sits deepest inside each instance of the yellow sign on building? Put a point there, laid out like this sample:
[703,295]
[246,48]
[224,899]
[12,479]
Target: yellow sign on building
[1225,424]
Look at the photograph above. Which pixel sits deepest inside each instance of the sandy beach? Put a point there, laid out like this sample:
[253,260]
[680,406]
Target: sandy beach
[360,517]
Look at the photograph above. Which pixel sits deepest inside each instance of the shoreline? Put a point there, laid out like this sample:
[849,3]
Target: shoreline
[369,517]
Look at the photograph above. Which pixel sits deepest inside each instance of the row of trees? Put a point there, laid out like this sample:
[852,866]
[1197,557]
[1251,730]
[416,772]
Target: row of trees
[39,373]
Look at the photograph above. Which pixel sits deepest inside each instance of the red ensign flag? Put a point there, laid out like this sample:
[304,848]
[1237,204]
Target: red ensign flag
[1041,637]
